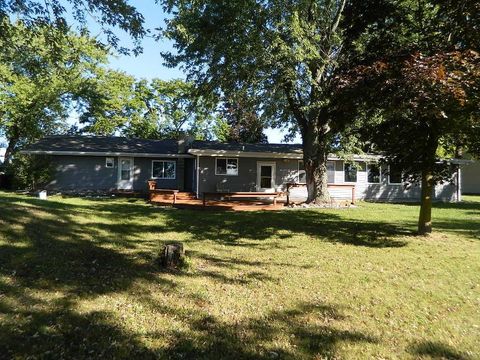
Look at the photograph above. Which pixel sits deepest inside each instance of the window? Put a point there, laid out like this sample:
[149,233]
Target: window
[226,166]
[109,162]
[331,171]
[350,172]
[373,173]
[163,169]
[266,176]
[302,178]
[394,175]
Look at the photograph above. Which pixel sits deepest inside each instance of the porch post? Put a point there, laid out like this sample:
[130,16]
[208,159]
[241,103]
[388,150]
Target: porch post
[197,177]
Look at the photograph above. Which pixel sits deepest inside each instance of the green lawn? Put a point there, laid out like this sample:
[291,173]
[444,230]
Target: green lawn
[78,280]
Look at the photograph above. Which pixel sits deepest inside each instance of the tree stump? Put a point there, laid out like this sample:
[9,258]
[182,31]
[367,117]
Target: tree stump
[171,255]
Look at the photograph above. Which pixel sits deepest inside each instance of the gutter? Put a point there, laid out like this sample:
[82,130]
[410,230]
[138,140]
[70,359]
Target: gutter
[274,155]
[103,153]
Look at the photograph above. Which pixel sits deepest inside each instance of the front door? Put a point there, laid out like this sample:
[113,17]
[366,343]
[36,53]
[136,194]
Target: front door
[266,176]
[125,173]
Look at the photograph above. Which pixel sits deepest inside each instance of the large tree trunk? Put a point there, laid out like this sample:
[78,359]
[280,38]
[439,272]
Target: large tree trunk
[315,152]
[12,143]
[425,218]
[428,183]
[13,139]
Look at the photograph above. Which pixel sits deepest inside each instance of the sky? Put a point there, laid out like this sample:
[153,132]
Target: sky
[149,64]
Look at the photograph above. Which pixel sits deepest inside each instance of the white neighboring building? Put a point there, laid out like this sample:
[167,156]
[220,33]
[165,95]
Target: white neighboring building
[2,155]
[471,178]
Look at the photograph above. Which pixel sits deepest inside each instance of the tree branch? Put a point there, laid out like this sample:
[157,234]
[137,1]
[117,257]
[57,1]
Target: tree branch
[337,18]
[294,106]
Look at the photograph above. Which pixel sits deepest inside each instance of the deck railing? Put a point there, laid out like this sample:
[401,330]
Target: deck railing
[329,186]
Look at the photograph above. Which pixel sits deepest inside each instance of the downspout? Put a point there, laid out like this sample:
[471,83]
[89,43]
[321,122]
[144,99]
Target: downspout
[459,184]
[197,163]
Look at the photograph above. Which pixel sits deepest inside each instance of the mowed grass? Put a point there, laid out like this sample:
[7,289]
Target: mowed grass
[78,280]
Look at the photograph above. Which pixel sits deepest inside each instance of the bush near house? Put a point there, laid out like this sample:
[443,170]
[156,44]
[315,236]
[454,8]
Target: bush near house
[28,172]
[78,279]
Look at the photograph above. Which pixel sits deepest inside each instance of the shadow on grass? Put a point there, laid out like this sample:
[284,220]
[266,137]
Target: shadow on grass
[49,248]
[436,350]
[230,229]
[62,333]
[303,330]
[46,252]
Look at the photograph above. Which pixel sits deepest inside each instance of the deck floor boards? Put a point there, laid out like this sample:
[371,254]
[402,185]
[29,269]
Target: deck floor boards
[222,205]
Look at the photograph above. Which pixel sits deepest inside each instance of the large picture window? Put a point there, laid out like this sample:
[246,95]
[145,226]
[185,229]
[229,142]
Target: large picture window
[373,173]
[163,169]
[226,166]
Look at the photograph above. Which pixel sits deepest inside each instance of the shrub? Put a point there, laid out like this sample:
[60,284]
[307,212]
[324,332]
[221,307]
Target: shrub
[30,172]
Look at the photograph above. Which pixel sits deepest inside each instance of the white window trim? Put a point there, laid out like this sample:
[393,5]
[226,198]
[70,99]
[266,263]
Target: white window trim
[348,182]
[226,162]
[390,183]
[174,170]
[106,162]
[273,164]
[379,174]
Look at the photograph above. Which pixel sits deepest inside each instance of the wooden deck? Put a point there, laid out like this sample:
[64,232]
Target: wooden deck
[188,201]
[232,201]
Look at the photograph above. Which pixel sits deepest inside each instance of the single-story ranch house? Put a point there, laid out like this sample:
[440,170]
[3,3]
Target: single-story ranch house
[84,163]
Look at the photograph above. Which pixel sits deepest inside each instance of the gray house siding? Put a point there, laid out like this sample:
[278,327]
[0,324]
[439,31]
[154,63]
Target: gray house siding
[246,180]
[83,173]
[287,171]
[89,173]
[471,178]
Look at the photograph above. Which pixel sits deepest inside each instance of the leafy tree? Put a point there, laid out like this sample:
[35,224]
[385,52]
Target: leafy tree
[109,102]
[417,85]
[53,14]
[156,110]
[240,122]
[283,54]
[177,109]
[38,88]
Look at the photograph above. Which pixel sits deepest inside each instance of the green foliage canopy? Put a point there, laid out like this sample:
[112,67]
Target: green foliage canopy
[38,87]
[54,14]
[158,109]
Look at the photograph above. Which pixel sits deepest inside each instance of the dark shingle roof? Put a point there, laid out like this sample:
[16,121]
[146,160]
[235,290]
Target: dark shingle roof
[111,144]
[104,144]
[273,148]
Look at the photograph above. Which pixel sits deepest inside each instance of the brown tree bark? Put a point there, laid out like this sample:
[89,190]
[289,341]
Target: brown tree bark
[428,184]
[425,218]
[315,152]
[171,255]
[12,143]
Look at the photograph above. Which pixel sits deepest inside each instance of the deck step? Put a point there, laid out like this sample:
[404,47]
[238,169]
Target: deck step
[186,196]
[168,197]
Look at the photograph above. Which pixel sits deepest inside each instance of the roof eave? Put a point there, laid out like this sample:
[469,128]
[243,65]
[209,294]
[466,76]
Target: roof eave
[280,155]
[103,153]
